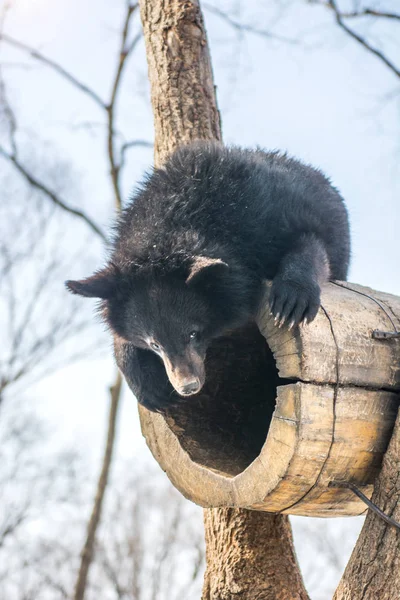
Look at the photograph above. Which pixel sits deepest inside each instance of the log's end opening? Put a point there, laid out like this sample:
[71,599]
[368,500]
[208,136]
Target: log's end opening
[225,427]
[277,420]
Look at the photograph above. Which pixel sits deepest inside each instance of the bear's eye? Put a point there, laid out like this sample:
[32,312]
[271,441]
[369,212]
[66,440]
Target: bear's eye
[193,335]
[155,346]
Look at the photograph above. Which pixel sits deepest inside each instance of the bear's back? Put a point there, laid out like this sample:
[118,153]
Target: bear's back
[207,195]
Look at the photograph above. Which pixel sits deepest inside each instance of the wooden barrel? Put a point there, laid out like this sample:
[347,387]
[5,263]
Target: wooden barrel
[286,413]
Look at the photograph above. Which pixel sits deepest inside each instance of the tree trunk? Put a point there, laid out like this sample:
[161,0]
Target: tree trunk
[249,555]
[373,571]
[181,79]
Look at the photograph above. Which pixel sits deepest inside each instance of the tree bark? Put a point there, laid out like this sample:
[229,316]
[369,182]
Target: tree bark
[249,555]
[373,571]
[180,73]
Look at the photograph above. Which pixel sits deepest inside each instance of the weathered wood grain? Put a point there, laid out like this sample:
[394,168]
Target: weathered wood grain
[337,347]
[337,400]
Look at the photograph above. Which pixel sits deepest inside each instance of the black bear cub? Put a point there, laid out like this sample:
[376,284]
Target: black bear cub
[191,252]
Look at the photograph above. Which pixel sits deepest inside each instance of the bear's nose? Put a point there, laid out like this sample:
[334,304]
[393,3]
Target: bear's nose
[190,387]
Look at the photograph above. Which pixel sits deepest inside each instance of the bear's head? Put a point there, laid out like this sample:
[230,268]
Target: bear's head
[174,314]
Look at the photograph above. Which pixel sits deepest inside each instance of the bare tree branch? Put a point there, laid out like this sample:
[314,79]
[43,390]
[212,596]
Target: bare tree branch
[125,50]
[9,114]
[369,12]
[12,125]
[132,144]
[112,574]
[53,65]
[358,38]
[243,27]
[35,316]
[54,584]
[87,552]
[50,194]
[12,525]
[165,547]
[115,391]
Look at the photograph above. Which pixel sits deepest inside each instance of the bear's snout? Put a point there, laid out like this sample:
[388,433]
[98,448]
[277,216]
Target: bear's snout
[190,387]
[187,374]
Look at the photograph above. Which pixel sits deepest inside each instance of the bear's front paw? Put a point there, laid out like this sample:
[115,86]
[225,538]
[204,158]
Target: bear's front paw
[292,302]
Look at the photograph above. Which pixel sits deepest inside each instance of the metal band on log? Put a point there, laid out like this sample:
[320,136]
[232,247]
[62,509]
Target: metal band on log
[285,413]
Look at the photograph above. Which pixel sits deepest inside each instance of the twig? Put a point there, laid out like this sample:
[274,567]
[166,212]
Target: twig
[11,527]
[51,195]
[53,65]
[369,12]
[246,27]
[132,144]
[363,42]
[9,114]
[110,108]
[135,143]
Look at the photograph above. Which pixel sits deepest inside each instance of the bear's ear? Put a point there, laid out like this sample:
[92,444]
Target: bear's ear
[102,284]
[205,270]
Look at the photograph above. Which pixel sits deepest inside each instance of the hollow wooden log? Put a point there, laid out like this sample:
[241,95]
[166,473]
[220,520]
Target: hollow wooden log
[285,413]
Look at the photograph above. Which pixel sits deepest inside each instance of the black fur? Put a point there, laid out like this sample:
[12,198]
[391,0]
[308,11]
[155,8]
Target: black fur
[193,247]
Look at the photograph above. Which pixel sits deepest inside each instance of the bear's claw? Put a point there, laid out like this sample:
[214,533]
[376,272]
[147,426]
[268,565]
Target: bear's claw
[293,303]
